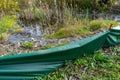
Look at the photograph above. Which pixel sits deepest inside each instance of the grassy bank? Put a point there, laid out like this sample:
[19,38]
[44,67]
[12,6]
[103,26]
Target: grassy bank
[83,27]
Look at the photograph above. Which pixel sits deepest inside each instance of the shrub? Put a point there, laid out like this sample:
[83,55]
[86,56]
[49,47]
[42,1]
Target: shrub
[28,44]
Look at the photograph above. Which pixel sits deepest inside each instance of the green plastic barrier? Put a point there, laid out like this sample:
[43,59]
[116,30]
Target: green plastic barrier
[113,38]
[34,64]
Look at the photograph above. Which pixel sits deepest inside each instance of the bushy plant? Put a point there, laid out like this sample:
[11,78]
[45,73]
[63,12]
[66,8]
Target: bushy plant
[28,44]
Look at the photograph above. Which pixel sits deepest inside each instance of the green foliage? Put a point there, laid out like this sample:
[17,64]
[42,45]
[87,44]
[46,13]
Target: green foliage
[108,22]
[101,58]
[95,25]
[80,61]
[8,26]
[76,29]
[70,31]
[6,23]
[28,44]
[4,36]
[8,6]
[99,66]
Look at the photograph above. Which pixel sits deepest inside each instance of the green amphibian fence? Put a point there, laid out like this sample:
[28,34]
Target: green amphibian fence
[39,63]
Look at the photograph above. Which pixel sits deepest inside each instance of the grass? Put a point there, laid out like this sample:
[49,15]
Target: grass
[8,25]
[60,15]
[102,65]
[82,27]
[50,45]
[95,25]
[71,31]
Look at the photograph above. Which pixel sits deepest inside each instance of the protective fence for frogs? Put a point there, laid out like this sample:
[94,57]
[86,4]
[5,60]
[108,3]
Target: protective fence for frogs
[38,63]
